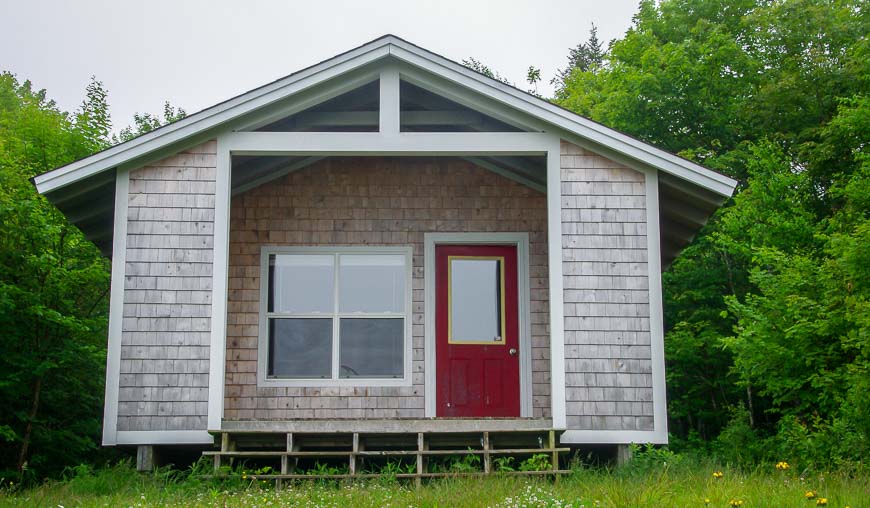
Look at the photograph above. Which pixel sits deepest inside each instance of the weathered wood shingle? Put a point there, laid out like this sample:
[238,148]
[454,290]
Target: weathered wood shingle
[608,367]
[375,201]
[167,293]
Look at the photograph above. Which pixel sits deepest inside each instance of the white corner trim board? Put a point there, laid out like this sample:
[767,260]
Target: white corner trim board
[554,263]
[613,437]
[656,313]
[164,437]
[116,308]
[521,241]
[220,273]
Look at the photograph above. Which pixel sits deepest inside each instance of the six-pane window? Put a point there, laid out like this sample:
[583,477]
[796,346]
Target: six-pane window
[336,315]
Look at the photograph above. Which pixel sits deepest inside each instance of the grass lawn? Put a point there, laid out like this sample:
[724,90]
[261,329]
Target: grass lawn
[652,485]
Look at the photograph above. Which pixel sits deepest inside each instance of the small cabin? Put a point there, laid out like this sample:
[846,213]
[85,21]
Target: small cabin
[385,240]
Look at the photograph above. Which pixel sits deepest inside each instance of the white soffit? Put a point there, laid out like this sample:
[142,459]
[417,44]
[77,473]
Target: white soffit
[198,124]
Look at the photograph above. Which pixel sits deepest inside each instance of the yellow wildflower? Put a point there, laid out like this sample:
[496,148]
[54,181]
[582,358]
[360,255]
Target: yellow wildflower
[822,501]
[782,465]
[810,494]
[718,474]
[706,500]
[736,502]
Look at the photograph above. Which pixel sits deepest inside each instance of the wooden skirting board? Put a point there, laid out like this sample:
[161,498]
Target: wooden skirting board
[481,452]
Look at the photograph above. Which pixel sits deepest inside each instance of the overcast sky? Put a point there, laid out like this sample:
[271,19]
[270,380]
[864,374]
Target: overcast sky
[198,53]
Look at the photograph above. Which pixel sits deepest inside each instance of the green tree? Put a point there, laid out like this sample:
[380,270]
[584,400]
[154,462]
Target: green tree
[533,76]
[585,57]
[478,66]
[146,122]
[764,309]
[53,288]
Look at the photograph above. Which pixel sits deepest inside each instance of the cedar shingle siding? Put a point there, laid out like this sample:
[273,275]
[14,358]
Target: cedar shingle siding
[378,201]
[606,294]
[374,201]
[167,293]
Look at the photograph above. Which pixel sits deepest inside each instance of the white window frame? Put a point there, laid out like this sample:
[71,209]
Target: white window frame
[263,378]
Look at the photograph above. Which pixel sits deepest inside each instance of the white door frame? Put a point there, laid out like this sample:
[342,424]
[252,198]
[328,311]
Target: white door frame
[521,242]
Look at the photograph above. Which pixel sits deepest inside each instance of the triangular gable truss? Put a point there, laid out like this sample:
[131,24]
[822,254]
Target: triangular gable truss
[357,110]
[504,103]
[438,95]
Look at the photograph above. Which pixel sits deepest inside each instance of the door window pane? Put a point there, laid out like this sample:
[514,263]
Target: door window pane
[301,283]
[300,348]
[475,288]
[371,347]
[371,283]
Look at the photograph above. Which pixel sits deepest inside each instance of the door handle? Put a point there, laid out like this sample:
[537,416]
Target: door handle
[512,351]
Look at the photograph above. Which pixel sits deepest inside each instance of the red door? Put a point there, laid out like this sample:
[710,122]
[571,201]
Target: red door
[476,331]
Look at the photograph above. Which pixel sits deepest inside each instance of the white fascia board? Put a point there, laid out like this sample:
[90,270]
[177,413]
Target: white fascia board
[405,143]
[210,118]
[564,119]
[164,437]
[613,437]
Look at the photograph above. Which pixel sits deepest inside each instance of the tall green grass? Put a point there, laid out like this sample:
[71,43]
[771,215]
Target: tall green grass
[653,479]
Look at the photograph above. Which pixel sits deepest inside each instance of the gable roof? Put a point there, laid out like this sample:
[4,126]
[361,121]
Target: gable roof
[76,180]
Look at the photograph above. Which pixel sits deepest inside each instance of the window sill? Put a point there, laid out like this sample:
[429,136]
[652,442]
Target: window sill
[324,383]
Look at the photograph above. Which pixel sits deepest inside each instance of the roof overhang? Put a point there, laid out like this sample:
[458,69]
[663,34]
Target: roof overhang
[83,190]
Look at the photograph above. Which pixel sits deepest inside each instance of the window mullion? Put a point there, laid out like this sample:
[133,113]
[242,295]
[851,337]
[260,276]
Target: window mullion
[335,319]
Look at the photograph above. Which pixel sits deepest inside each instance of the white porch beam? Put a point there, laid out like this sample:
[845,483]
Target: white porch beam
[461,95]
[220,272]
[366,118]
[656,312]
[506,173]
[276,173]
[554,263]
[376,143]
[306,99]
[389,101]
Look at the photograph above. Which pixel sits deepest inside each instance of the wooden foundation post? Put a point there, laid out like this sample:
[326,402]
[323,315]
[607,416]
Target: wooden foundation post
[623,454]
[145,461]
[292,446]
[487,458]
[352,467]
[554,460]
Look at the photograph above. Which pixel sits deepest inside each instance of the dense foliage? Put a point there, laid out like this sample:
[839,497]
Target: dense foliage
[53,285]
[53,288]
[767,311]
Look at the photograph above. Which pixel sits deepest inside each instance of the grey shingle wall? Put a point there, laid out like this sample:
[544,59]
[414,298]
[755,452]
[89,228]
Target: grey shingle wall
[608,369]
[167,293]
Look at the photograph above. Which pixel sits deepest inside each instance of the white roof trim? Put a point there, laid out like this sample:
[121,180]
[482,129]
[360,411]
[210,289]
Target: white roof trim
[416,56]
